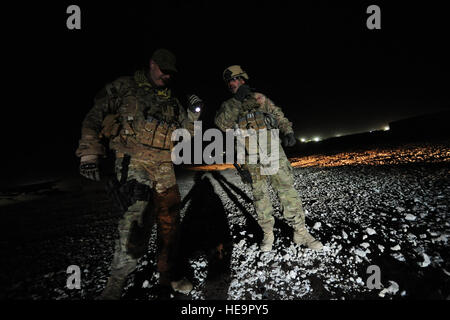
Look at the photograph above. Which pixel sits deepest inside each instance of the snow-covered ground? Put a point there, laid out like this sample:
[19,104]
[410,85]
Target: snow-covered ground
[386,216]
[393,216]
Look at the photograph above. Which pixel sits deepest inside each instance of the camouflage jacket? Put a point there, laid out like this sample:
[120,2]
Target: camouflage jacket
[128,113]
[232,110]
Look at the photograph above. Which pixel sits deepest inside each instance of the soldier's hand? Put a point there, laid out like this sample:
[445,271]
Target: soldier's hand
[289,140]
[89,167]
[195,103]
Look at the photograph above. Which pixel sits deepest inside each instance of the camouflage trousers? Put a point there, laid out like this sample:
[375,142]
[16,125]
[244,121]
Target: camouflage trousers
[136,224]
[283,184]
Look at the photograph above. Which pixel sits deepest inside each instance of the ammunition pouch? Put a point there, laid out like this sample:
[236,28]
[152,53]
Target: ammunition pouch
[156,134]
[252,120]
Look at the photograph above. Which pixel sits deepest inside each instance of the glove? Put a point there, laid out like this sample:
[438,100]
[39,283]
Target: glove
[195,103]
[89,167]
[289,140]
[242,92]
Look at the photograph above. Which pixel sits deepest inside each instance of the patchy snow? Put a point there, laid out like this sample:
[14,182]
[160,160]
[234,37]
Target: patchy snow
[426,261]
[363,215]
[392,289]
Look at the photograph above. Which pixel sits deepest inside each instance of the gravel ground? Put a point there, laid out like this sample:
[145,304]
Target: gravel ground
[393,215]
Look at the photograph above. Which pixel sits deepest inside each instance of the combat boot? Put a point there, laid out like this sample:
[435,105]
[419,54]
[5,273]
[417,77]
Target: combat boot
[267,242]
[184,286]
[303,237]
[113,289]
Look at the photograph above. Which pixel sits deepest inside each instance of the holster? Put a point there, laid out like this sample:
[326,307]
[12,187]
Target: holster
[127,193]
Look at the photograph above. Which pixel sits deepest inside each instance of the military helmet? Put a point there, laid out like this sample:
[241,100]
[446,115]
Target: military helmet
[234,71]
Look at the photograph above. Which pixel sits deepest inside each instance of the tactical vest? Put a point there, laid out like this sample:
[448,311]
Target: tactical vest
[249,117]
[147,116]
[156,133]
[252,120]
[161,120]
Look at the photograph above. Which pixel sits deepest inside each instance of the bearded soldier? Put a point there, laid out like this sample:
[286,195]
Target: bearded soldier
[136,115]
[252,110]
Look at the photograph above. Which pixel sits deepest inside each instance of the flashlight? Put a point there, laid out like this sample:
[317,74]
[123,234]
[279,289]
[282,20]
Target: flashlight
[195,103]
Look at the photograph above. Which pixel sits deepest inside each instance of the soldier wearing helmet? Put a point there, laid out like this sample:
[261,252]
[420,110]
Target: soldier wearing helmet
[242,111]
[136,115]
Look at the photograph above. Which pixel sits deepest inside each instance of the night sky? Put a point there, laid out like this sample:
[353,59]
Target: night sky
[316,60]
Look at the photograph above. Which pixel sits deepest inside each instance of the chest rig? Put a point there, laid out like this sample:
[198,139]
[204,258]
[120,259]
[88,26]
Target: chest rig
[161,114]
[149,115]
[250,117]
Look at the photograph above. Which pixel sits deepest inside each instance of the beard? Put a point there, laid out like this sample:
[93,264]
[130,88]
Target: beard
[165,80]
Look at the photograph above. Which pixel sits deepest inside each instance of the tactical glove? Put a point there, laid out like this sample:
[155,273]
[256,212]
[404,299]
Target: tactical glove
[195,103]
[243,92]
[289,140]
[89,167]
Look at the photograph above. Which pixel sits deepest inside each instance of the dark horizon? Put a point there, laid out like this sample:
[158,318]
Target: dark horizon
[317,61]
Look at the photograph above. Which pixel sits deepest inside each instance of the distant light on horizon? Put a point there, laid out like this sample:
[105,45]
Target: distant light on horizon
[302,139]
[386,128]
[316,139]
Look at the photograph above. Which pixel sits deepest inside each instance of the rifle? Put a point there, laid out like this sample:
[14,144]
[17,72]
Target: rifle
[125,194]
[113,189]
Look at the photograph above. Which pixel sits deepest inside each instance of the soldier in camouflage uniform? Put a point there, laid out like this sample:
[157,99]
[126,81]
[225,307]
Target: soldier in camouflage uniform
[137,116]
[242,111]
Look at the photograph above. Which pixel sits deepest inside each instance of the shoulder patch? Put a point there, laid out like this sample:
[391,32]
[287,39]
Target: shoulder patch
[231,102]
